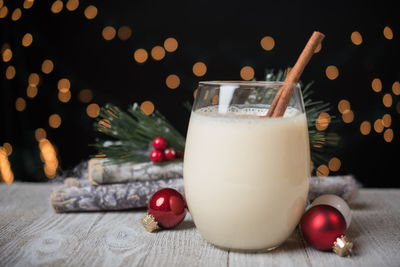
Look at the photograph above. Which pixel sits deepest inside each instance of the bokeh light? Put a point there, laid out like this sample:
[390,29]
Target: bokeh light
[172,81]
[348,116]
[6,173]
[140,55]
[8,148]
[47,66]
[388,135]
[319,47]
[16,15]
[31,91]
[34,79]
[28,4]
[387,120]
[158,52]
[388,33]
[247,73]
[378,126]
[322,171]
[64,96]
[376,85]
[387,100]
[147,107]
[7,54]
[93,110]
[27,40]
[49,157]
[334,164]
[109,33]
[267,43]
[323,121]
[85,95]
[124,32]
[171,44]
[3,12]
[20,104]
[57,6]
[72,5]
[356,38]
[54,121]
[90,12]
[199,69]
[40,134]
[343,105]
[332,72]
[365,127]
[396,88]
[64,85]
[10,72]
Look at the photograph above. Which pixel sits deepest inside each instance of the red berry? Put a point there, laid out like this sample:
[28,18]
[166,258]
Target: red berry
[156,156]
[159,143]
[169,154]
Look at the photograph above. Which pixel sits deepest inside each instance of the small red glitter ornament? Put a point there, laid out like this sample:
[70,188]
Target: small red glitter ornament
[169,154]
[159,143]
[156,156]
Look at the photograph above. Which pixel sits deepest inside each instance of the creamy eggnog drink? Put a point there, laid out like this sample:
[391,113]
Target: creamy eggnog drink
[246,176]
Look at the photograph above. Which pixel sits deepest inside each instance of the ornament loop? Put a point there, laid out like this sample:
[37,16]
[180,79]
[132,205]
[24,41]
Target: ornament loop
[150,223]
[343,246]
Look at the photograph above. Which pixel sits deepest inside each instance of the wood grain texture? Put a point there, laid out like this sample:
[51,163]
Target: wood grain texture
[32,234]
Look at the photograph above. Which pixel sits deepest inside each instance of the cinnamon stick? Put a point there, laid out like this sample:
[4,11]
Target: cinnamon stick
[282,98]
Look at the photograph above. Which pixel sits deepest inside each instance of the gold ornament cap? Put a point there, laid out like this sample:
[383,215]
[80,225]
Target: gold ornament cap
[150,223]
[343,246]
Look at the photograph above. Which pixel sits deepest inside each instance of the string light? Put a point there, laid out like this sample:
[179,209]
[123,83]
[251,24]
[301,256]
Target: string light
[20,104]
[64,85]
[124,33]
[72,5]
[267,43]
[343,105]
[247,73]
[199,69]
[40,134]
[332,72]
[171,44]
[93,110]
[10,72]
[49,157]
[172,81]
[16,15]
[8,148]
[57,6]
[396,88]
[27,40]
[157,53]
[55,121]
[387,120]
[33,79]
[147,107]
[28,4]
[356,38]
[387,100]
[3,12]
[140,55]
[6,173]
[322,171]
[388,33]
[47,66]
[7,54]
[64,96]
[334,164]
[365,127]
[90,12]
[378,126]
[376,85]
[348,116]
[388,135]
[323,121]
[109,33]
[85,96]
[31,91]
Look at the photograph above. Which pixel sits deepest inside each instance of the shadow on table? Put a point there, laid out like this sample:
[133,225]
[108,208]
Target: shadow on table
[185,225]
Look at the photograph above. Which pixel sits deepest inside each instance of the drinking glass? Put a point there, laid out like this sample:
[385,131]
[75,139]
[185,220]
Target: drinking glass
[246,176]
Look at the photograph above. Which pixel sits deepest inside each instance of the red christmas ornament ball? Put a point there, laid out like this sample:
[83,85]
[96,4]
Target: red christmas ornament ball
[169,154]
[168,207]
[156,156]
[159,143]
[321,225]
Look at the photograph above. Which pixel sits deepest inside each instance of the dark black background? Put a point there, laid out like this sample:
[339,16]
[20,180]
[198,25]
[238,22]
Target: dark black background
[223,34]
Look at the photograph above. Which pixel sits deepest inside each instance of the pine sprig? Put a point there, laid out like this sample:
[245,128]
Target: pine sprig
[132,133]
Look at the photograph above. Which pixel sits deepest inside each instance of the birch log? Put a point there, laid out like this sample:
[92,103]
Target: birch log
[102,171]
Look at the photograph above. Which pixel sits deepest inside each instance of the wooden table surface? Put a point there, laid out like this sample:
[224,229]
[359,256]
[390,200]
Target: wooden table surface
[32,234]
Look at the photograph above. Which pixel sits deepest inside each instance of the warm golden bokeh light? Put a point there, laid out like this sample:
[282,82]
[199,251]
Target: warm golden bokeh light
[16,15]
[171,44]
[147,107]
[72,5]
[356,38]
[27,40]
[57,6]
[33,79]
[10,72]
[54,121]
[90,12]
[109,33]
[140,55]
[194,94]
[322,171]
[64,96]
[3,12]
[332,72]
[199,69]
[334,164]
[267,43]
[40,134]
[64,85]
[1,3]
[388,33]
[20,104]
[172,81]
[396,88]
[47,66]
[6,174]
[28,4]
[387,100]
[93,110]
[376,85]
[7,54]
[378,126]
[31,91]
[365,127]
[387,120]
[8,147]
[85,95]
[388,135]
[343,105]
[158,52]
[247,73]
[323,121]
[49,156]
[124,33]
[348,116]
